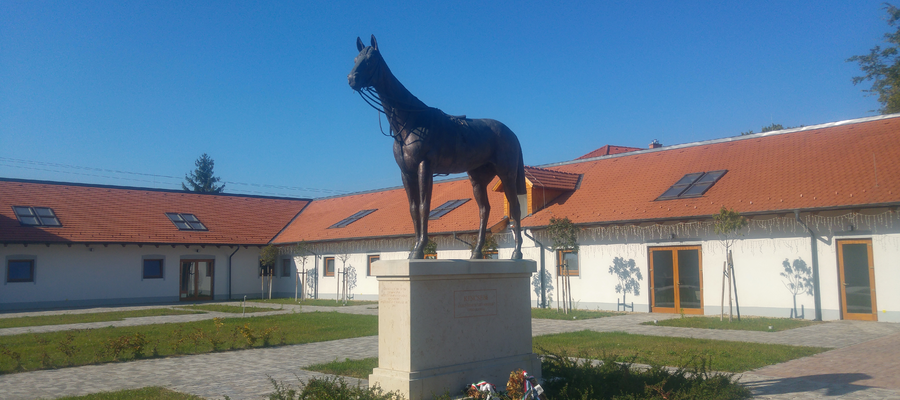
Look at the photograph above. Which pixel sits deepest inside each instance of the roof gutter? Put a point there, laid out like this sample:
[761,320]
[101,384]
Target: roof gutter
[706,217]
[817,297]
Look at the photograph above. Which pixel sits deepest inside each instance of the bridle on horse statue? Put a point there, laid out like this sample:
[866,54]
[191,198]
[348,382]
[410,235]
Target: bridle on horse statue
[373,99]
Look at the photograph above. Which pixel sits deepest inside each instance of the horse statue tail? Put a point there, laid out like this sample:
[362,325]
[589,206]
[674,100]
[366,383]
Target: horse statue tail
[521,188]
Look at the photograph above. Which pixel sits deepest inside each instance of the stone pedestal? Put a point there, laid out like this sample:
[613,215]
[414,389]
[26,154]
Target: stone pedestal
[443,324]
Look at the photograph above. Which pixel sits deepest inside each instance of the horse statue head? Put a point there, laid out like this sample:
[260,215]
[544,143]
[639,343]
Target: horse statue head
[366,65]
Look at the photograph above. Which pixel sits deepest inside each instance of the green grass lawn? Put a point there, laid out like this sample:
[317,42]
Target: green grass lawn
[352,368]
[63,319]
[551,313]
[27,352]
[315,302]
[745,324]
[227,308]
[671,351]
[153,392]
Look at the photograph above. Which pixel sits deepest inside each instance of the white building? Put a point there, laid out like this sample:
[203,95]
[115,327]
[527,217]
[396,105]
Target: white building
[825,197]
[70,245]
[822,196]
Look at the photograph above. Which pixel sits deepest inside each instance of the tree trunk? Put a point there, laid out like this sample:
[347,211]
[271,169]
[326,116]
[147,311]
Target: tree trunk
[724,274]
[730,315]
[795,306]
[737,304]
[557,290]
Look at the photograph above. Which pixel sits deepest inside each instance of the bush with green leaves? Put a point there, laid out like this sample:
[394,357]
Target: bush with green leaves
[564,378]
[571,378]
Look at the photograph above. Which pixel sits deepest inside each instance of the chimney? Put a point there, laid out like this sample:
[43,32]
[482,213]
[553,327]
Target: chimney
[655,144]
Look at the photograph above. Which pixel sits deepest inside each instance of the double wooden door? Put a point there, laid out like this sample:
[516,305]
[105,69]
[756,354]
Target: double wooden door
[676,280]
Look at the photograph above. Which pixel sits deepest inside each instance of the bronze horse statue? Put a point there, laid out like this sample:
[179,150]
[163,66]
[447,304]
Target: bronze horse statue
[428,142]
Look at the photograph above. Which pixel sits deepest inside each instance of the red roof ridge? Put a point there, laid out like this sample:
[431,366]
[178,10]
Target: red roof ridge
[609,150]
[731,139]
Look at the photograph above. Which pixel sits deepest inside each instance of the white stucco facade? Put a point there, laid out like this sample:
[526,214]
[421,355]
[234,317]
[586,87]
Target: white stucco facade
[96,275]
[758,256]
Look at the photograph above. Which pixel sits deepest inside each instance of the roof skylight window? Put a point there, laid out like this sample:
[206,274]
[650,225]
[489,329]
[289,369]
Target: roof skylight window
[36,216]
[692,185]
[186,222]
[443,209]
[351,219]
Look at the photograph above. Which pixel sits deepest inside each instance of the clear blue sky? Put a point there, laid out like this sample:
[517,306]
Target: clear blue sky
[132,92]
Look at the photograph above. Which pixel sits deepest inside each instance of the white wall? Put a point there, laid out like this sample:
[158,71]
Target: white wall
[758,258]
[105,275]
[886,252]
[81,276]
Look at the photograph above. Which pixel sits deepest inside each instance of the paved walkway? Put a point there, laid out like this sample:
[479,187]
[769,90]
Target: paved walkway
[864,365]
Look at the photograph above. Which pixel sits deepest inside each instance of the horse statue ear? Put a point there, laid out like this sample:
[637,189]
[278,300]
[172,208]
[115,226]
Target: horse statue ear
[374,43]
[359,44]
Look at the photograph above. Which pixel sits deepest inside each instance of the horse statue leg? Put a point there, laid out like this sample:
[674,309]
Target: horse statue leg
[411,184]
[510,184]
[516,218]
[421,200]
[480,178]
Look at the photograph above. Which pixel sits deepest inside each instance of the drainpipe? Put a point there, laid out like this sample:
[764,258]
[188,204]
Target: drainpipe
[542,271]
[229,270]
[467,243]
[817,297]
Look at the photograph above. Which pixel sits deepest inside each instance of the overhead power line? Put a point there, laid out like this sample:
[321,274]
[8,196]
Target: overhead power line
[48,167]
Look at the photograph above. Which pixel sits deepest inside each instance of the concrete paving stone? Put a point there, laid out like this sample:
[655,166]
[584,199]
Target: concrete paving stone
[242,374]
[871,364]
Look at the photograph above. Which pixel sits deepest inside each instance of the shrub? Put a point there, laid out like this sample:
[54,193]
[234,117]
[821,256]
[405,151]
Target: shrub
[333,388]
[569,378]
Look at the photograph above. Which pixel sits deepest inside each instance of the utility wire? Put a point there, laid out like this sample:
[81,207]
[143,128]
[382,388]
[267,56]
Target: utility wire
[46,166]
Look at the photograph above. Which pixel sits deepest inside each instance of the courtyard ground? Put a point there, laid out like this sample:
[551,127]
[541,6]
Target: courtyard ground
[865,362]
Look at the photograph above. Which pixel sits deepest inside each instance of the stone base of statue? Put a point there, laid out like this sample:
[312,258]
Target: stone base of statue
[444,324]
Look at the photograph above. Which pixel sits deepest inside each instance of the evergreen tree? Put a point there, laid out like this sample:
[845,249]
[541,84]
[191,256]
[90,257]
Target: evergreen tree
[201,180]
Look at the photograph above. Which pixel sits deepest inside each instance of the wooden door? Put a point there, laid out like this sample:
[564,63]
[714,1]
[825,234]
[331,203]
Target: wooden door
[857,280]
[676,280]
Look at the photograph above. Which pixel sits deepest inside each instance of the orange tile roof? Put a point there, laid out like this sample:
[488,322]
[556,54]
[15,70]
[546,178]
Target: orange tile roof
[845,165]
[609,150]
[818,167]
[392,216]
[107,214]
[550,179]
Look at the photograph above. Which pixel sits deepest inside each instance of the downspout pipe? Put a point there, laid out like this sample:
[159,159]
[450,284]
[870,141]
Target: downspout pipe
[229,269]
[817,297]
[543,268]
[467,243]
